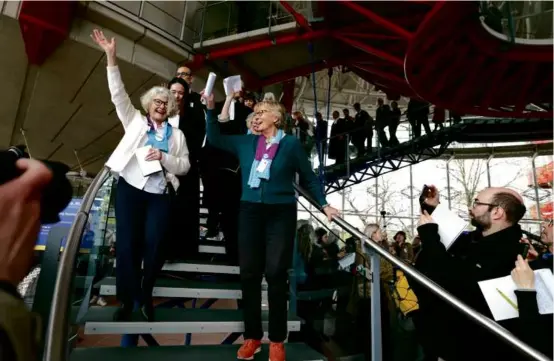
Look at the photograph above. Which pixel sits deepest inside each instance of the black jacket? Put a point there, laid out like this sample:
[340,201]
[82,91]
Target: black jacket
[472,258]
[215,158]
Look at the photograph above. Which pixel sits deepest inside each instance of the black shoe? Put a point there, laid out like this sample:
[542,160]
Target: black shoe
[123,314]
[147,312]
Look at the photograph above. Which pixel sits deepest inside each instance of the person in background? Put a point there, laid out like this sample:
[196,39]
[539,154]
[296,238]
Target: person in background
[20,204]
[486,253]
[402,248]
[439,116]
[186,218]
[267,217]
[360,134]
[363,288]
[143,203]
[382,120]
[221,167]
[534,329]
[416,247]
[321,130]
[394,121]
[337,142]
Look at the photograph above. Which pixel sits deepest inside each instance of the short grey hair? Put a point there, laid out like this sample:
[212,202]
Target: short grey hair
[370,229]
[147,98]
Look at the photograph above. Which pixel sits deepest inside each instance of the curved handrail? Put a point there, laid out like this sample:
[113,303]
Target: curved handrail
[520,41]
[55,346]
[409,270]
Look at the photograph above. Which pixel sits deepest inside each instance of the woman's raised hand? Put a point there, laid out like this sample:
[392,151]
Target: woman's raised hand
[210,100]
[107,45]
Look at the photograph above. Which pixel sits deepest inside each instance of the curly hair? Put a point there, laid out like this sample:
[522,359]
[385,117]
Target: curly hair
[148,97]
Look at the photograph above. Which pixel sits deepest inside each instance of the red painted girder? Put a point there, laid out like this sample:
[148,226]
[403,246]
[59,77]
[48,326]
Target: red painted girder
[371,36]
[44,27]
[370,50]
[387,24]
[243,48]
[300,20]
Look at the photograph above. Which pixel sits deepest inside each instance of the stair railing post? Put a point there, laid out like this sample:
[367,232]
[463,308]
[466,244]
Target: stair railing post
[376,339]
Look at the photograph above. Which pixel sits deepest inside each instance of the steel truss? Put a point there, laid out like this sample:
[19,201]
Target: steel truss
[433,146]
[390,160]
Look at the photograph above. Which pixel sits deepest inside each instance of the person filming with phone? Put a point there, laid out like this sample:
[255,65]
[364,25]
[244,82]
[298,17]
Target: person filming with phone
[486,253]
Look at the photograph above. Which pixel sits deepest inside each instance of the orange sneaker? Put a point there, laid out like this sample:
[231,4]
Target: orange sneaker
[277,351]
[248,349]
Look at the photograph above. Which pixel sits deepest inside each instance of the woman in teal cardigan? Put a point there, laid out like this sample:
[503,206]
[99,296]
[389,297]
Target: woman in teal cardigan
[267,218]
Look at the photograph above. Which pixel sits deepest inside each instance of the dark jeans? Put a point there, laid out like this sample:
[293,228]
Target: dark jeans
[266,241]
[222,191]
[393,140]
[142,221]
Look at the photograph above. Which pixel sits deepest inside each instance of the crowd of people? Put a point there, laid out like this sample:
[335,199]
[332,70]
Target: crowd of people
[248,161]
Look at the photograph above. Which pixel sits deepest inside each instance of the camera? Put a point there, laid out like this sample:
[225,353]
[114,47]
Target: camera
[55,196]
[427,192]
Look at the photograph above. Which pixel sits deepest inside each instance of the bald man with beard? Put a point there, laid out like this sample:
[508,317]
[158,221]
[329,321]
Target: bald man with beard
[488,252]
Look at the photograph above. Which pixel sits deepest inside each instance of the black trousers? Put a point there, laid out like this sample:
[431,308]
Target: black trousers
[222,191]
[266,241]
[142,221]
[185,219]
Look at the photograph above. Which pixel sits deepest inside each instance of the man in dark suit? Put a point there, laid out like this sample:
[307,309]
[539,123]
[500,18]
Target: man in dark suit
[221,179]
[186,228]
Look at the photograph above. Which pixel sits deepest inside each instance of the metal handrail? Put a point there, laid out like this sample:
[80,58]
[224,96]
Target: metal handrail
[56,342]
[409,270]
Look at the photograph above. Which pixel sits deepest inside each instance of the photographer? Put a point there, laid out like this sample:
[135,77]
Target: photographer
[20,204]
[486,253]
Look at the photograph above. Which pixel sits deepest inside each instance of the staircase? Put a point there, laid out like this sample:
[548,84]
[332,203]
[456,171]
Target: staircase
[185,295]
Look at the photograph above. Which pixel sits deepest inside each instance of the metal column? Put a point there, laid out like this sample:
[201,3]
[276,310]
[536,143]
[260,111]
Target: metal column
[536,185]
[448,182]
[376,339]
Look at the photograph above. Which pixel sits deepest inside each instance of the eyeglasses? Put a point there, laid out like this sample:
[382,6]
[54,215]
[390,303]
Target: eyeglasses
[184,74]
[260,112]
[159,103]
[477,203]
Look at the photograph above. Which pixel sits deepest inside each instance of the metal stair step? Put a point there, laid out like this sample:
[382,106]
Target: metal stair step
[197,267]
[99,320]
[169,287]
[295,352]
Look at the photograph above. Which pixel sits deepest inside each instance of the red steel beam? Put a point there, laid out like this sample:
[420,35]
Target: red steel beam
[387,24]
[300,20]
[371,36]
[265,43]
[370,50]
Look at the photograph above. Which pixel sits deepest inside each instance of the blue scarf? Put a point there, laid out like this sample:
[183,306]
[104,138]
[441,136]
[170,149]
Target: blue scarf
[264,155]
[161,144]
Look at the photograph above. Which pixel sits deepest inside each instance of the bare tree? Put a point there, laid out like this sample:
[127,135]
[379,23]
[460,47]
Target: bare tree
[471,175]
[388,199]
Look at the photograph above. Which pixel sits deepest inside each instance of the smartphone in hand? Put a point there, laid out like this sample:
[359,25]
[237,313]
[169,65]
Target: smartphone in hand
[427,192]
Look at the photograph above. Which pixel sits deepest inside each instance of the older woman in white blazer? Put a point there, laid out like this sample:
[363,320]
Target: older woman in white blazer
[142,207]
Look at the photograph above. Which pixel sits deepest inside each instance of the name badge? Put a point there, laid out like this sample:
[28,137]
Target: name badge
[262,166]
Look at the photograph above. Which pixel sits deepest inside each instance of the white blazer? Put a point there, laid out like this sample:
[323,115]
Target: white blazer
[175,161]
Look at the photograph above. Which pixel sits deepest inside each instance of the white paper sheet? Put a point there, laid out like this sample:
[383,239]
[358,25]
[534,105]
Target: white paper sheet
[147,167]
[232,84]
[450,225]
[493,290]
[210,84]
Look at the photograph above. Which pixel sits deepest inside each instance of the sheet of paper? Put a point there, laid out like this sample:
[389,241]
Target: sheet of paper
[210,84]
[147,167]
[347,261]
[450,225]
[544,284]
[502,301]
[232,84]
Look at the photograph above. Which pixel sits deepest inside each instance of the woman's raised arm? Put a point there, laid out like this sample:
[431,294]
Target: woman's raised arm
[123,105]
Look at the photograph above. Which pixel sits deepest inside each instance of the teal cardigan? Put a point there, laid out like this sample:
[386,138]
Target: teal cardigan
[289,160]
